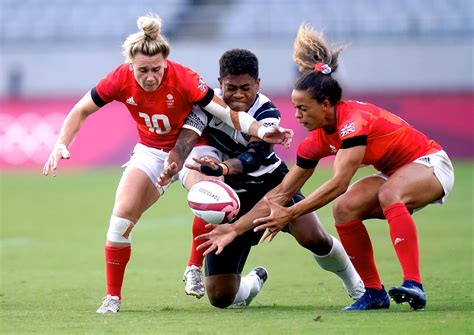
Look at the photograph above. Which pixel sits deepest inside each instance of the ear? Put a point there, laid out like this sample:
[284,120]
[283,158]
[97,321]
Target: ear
[220,82]
[327,104]
[257,82]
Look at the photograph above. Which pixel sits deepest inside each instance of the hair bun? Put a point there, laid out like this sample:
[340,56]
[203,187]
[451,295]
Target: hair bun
[150,25]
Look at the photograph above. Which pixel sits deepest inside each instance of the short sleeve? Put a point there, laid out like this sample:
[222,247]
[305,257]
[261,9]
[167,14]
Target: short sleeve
[310,150]
[355,124]
[197,120]
[268,115]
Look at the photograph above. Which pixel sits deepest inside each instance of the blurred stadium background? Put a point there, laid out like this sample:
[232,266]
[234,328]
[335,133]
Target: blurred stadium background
[412,57]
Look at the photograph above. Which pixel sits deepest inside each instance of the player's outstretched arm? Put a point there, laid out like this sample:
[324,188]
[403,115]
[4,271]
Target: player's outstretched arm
[185,143]
[345,165]
[246,162]
[222,235]
[71,125]
[246,123]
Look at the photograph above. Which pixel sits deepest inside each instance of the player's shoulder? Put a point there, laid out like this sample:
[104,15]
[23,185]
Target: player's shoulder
[351,110]
[263,108]
[179,69]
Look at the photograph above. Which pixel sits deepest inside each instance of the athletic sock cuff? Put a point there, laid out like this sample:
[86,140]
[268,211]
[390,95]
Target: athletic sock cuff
[348,227]
[395,210]
[118,254]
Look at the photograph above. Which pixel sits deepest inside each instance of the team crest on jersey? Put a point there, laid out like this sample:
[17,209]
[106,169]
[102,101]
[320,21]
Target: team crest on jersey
[202,85]
[347,129]
[332,148]
[170,100]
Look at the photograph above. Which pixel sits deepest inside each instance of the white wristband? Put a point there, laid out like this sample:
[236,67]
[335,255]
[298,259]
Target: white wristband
[262,131]
[63,149]
[245,121]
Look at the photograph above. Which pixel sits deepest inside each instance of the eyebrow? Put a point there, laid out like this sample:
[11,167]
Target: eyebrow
[233,85]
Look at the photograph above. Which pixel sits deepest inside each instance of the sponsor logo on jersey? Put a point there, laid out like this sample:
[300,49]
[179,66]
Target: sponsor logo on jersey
[170,100]
[193,120]
[425,159]
[131,101]
[347,129]
[202,85]
[398,240]
[332,148]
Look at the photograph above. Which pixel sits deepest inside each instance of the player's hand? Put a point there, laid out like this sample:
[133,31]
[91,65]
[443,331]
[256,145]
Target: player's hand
[173,164]
[206,166]
[278,135]
[217,239]
[273,223]
[59,152]
[167,174]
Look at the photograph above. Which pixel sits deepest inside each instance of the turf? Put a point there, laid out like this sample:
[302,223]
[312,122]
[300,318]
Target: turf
[52,273]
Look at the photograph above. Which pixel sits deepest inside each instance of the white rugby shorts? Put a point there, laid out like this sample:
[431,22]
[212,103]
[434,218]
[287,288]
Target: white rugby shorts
[151,161]
[443,170]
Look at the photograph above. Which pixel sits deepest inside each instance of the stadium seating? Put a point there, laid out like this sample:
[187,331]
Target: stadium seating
[111,20]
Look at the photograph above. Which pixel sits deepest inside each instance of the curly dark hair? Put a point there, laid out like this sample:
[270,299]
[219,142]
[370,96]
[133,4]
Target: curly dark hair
[238,61]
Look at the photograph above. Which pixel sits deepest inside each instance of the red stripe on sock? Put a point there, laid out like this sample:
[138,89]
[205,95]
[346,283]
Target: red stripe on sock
[404,239]
[116,260]
[356,242]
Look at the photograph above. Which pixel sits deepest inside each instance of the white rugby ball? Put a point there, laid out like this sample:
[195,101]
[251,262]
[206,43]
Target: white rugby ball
[213,201]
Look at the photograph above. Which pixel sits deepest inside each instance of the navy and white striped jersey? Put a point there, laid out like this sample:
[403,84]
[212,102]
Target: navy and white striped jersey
[232,142]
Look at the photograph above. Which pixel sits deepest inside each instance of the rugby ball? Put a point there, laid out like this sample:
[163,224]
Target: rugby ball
[213,201]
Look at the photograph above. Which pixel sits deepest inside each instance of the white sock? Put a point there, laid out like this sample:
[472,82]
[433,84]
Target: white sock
[338,262]
[248,285]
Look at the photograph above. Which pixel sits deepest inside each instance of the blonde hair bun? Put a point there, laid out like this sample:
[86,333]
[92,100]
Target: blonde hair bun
[150,25]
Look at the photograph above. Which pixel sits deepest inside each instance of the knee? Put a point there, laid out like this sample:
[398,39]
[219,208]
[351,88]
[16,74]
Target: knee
[316,239]
[120,230]
[124,210]
[220,299]
[387,196]
[345,208]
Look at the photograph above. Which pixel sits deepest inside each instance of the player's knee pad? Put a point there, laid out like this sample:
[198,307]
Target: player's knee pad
[120,230]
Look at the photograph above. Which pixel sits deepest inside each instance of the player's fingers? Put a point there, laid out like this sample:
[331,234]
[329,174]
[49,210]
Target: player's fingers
[219,249]
[173,166]
[264,236]
[205,245]
[261,222]
[203,237]
[46,168]
[209,250]
[272,235]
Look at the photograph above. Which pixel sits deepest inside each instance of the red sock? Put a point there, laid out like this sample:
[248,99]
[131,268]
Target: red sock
[404,239]
[356,242]
[196,258]
[116,260]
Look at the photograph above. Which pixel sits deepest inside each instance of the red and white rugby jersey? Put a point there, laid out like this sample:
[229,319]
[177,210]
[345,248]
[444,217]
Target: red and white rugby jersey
[159,115]
[391,141]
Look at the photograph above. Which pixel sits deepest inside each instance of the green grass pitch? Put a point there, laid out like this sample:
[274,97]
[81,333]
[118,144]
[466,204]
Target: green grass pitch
[52,272]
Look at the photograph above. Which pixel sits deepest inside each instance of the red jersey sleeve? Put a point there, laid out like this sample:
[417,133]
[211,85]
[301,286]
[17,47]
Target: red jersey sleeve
[353,122]
[311,150]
